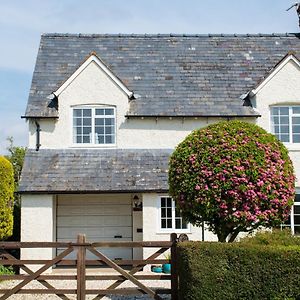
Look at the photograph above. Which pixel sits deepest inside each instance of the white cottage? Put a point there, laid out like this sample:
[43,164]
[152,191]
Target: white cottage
[105,112]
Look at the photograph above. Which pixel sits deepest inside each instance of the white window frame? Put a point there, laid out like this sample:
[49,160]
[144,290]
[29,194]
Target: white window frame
[292,218]
[93,109]
[291,115]
[173,229]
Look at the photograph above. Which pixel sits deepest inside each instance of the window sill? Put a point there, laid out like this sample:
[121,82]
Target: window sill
[92,146]
[292,147]
[178,231]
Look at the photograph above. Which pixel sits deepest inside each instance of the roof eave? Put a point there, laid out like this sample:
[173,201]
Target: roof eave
[26,192]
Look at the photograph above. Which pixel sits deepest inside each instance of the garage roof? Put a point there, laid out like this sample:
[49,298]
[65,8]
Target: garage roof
[95,171]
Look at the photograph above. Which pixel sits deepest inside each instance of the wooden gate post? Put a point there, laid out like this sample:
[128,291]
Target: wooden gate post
[81,254]
[174,270]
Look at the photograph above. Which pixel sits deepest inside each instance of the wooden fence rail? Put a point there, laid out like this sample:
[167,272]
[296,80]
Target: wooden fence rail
[81,247]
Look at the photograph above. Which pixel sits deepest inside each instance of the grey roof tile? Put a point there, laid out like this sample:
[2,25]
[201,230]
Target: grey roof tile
[95,171]
[171,73]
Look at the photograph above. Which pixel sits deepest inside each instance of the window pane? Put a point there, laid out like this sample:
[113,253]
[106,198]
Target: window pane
[99,121]
[78,130]
[297,230]
[77,112]
[296,110]
[163,212]
[99,130]
[184,225]
[297,198]
[169,202]
[99,111]
[284,129]
[77,122]
[79,139]
[275,120]
[109,130]
[276,129]
[87,121]
[169,212]
[109,112]
[163,223]
[284,111]
[297,220]
[284,138]
[100,139]
[296,138]
[296,209]
[163,202]
[87,130]
[86,139]
[87,112]
[296,129]
[177,224]
[109,121]
[108,139]
[296,120]
[284,120]
[169,223]
[275,110]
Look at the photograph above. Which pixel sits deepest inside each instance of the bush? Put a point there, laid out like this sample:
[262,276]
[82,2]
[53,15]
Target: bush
[234,176]
[237,271]
[6,198]
[276,237]
[6,270]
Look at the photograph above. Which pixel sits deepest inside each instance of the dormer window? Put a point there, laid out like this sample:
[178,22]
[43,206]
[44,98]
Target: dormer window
[94,125]
[285,122]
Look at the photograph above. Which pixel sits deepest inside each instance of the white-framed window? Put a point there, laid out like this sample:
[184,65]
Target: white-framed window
[169,216]
[293,221]
[285,122]
[94,125]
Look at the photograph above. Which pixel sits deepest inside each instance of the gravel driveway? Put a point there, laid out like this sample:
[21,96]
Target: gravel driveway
[71,284]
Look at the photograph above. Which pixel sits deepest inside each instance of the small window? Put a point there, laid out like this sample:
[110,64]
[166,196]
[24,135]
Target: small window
[293,221]
[285,122]
[94,126]
[170,218]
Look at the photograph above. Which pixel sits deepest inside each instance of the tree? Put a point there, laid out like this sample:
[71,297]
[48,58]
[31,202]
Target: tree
[16,157]
[233,175]
[6,198]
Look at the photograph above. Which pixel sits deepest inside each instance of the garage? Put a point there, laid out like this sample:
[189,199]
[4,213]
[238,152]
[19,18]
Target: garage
[99,217]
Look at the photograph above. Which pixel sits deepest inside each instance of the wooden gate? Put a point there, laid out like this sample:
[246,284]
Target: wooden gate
[81,277]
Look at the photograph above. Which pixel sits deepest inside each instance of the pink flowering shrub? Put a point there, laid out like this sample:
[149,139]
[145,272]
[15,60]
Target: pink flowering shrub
[234,176]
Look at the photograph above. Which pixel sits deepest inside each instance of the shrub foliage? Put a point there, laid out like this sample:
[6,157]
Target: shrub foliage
[6,198]
[236,271]
[233,175]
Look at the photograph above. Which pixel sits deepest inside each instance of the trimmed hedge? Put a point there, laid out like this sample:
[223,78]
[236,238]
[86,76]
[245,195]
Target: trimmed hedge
[6,198]
[236,271]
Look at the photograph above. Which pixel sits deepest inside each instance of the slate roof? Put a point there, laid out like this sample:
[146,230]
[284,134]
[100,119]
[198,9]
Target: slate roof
[175,75]
[95,171]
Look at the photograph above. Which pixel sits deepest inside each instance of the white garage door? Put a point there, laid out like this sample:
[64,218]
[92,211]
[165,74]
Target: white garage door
[100,217]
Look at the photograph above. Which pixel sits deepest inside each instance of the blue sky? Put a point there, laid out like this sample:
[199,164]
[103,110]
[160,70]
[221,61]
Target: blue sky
[22,22]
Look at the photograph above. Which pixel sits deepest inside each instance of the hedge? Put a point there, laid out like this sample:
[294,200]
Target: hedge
[6,198]
[236,271]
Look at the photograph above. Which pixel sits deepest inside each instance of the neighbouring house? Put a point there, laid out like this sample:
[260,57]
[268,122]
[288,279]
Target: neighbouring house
[105,112]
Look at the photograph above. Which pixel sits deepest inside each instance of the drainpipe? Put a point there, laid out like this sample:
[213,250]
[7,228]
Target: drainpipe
[38,129]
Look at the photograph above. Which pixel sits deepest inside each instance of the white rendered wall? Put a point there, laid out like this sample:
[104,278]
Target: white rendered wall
[37,224]
[93,87]
[282,89]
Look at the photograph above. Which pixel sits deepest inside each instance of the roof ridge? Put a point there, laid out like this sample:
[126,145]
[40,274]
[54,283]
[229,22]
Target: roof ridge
[151,35]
